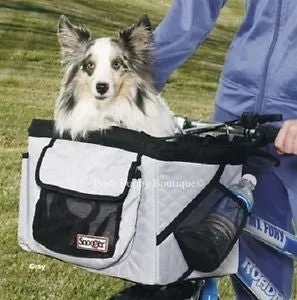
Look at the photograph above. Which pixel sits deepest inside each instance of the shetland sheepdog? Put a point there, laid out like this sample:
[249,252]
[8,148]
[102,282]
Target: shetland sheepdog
[108,82]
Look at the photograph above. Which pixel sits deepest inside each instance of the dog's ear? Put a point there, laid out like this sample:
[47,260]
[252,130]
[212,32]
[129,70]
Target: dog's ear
[73,40]
[137,41]
[145,22]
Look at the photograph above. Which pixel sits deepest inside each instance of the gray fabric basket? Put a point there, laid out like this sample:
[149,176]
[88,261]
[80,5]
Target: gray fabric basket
[138,193]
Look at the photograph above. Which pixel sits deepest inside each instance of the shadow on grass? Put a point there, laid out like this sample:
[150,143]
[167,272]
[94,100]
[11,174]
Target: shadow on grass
[29,7]
[37,32]
[107,14]
[33,26]
[24,28]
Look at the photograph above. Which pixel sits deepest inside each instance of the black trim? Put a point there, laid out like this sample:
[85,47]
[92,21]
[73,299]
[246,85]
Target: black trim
[131,174]
[25,155]
[187,149]
[189,208]
[41,128]
[185,275]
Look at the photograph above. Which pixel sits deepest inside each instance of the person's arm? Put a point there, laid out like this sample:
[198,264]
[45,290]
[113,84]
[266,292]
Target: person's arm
[183,29]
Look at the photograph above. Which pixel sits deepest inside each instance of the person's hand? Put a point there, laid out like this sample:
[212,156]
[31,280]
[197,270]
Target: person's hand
[286,140]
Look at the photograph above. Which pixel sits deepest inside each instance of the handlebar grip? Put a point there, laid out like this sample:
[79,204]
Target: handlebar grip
[268,133]
[270,118]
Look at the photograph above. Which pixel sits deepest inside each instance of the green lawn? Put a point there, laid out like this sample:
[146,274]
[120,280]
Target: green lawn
[29,82]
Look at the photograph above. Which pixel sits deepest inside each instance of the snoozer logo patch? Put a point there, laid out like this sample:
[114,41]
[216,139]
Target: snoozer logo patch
[92,243]
[257,282]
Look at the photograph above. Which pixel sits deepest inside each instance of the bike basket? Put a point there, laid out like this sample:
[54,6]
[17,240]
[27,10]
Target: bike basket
[112,203]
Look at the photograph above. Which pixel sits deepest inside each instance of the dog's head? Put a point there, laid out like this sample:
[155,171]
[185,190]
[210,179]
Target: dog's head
[104,68]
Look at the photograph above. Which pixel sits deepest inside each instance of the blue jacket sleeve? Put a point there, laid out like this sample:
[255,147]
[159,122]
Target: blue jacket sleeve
[184,28]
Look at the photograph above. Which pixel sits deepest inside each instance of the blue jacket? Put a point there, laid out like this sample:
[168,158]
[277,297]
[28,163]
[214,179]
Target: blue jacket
[260,71]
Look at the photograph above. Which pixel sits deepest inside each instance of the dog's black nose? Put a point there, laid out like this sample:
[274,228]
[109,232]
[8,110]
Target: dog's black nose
[102,87]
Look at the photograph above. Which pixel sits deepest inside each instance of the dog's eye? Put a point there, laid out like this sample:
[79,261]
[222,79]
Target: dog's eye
[90,66]
[116,64]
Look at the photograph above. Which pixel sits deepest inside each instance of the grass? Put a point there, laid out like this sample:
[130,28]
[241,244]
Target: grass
[29,82]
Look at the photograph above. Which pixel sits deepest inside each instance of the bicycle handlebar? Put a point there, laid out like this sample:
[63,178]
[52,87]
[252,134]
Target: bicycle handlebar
[248,129]
[250,120]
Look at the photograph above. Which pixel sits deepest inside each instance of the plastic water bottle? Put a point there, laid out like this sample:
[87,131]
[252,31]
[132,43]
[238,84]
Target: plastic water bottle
[243,190]
[219,231]
[228,213]
[227,216]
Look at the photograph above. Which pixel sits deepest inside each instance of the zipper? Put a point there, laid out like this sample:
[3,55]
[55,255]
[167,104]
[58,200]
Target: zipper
[259,105]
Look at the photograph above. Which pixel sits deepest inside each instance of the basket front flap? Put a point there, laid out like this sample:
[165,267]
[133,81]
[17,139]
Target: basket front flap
[80,168]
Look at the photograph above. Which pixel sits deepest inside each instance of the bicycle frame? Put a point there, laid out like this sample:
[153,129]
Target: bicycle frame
[273,236]
[248,273]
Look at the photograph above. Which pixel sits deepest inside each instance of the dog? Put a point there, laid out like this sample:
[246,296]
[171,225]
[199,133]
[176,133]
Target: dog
[108,82]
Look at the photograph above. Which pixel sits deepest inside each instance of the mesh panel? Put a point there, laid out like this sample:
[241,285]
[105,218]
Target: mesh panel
[60,219]
[208,233]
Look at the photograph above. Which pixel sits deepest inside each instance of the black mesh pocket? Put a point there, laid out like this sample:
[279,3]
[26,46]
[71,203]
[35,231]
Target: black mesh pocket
[209,230]
[77,226]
